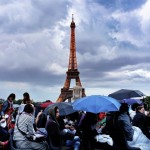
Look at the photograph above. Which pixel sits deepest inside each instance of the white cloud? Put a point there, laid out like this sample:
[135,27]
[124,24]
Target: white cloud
[112,45]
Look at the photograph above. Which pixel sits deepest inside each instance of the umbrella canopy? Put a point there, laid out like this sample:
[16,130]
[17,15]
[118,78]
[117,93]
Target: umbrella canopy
[45,104]
[126,94]
[131,101]
[65,108]
[96,104]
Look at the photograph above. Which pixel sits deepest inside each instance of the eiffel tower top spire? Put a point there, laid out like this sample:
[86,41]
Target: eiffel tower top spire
[72,59]
[72,18]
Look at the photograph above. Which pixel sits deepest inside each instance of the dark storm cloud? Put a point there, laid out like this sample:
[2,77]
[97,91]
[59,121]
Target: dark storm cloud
[125,5]
[105,65]
[31,75]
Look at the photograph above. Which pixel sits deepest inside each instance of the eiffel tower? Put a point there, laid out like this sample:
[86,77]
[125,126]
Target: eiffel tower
[72,73]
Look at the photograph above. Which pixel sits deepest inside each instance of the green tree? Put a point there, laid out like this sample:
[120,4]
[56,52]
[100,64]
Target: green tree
[19,101]
[147,102]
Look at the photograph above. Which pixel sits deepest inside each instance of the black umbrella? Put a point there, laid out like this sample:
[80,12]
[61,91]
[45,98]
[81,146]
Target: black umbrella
[126,94]
[65,108]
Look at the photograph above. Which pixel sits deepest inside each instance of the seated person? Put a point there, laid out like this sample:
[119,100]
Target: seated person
[132,111]
[142,121]
[69,132]
[23,127]
[70,123]
[40,123]
[134,135]
[89,131]
[56,129]
[4,134]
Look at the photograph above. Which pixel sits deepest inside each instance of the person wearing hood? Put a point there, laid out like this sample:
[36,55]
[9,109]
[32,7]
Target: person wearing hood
[53,127]
[57,131]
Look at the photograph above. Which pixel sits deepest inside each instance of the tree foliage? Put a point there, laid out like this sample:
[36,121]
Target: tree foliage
[147,102]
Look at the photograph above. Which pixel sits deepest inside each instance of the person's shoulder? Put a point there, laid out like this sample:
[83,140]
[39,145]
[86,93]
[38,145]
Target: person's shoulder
[139,114]
[26,115]
[51,122]
[5,103]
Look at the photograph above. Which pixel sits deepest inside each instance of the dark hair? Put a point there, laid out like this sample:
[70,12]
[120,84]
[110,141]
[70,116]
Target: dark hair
[26,95]
[91,117]
[12,95]
[55,109]
[28,108]
[26,99]
[124,108]
[41,121]
[134,106]
[139,108]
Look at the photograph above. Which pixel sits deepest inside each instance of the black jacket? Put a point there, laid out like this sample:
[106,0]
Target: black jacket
[142,121]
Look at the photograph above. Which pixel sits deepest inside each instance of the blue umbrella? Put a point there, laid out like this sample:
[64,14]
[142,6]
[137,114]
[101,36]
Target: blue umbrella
[131,101]
[96,104]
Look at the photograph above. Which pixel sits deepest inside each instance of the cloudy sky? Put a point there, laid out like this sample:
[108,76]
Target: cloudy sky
[112,44]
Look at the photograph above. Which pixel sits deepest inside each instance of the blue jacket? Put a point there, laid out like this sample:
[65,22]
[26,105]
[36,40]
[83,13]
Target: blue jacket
[127,126]
[5,106]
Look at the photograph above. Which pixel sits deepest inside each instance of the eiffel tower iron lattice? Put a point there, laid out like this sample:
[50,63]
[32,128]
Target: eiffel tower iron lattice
[72,73]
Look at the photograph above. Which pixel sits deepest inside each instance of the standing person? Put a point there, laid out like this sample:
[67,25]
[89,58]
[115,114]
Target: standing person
[7,108]
[142,121]
[24,126]
[26,98]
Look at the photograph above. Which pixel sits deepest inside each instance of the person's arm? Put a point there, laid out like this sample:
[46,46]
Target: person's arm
[127,127]
[30,126]
[4,108]
[37,118]
[25,124]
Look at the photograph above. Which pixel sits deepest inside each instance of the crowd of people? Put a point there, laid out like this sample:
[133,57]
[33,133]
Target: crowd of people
[79,131]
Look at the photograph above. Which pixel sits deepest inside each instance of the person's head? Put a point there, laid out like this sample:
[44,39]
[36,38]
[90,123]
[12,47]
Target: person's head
[57,112]
[42,119]
[134,106]
[54,114]
[124,108]
[26,95]
[102,115]
[91,117]
[26,98]
[140,109]
[29,109]
[11,97]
